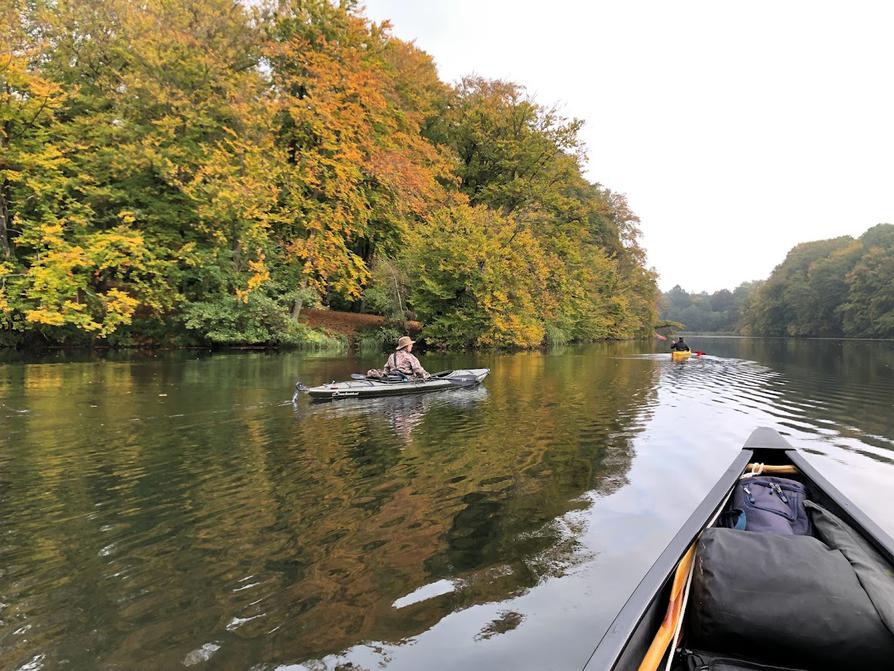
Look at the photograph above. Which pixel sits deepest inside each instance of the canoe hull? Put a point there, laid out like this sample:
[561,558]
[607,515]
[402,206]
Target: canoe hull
[373,388]
[624,644]
[680,356]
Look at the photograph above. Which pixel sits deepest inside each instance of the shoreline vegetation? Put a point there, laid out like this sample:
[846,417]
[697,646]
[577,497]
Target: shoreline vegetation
[838,288]
[181,173]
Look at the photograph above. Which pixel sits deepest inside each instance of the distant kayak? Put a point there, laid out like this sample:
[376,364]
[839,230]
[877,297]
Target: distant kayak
[368,387]
[680,356]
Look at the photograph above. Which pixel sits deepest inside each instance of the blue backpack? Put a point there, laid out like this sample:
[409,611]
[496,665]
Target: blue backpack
[769,504]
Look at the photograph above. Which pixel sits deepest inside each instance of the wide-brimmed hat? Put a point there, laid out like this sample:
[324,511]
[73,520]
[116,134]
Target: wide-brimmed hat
[404,341]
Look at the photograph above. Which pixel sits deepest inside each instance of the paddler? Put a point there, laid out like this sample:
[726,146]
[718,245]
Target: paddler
[680,346]
[403,361]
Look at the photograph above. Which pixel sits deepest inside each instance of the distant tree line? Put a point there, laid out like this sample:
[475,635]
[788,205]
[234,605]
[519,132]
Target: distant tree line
[719,312]
[826,288]
[200,170]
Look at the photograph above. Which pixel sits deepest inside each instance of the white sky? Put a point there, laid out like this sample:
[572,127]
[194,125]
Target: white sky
[736,129]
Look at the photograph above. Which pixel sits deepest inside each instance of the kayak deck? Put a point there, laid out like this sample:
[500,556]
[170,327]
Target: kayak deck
[367,388]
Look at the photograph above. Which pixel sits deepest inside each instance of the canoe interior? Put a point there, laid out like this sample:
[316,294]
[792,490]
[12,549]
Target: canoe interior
[627,639]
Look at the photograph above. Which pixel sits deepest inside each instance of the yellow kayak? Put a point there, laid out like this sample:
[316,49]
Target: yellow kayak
[680,356]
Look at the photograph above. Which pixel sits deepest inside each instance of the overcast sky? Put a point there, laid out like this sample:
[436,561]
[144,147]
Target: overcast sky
[736,129]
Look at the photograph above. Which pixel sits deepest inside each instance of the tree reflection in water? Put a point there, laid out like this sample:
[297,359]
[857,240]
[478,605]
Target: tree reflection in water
[178,508]
[402,413]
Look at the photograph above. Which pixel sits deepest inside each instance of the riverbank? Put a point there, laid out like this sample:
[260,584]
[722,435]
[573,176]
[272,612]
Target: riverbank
[352,324]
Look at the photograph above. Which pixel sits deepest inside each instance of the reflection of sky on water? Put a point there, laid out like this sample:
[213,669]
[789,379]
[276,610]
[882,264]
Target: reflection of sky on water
[180,509]
[702,412]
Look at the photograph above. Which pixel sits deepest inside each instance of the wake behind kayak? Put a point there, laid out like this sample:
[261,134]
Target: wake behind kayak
[368,387]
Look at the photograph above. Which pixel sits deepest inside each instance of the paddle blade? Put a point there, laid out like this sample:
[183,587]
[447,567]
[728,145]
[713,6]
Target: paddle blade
[300,388]
[463,380]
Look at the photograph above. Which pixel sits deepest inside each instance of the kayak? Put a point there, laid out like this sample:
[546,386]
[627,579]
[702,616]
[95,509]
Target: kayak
[369,387]
[680,356]
[663,615]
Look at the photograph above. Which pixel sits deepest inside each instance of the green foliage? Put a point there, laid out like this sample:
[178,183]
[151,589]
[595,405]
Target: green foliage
[838,287]
[555,336]
[466,284]
[259,321]
[720,312]
[542,255]
[387,291]
[176,170]
[379,339]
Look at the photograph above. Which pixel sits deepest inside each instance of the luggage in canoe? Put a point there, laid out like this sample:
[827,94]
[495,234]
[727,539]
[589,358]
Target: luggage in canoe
[776,570]
[363,387]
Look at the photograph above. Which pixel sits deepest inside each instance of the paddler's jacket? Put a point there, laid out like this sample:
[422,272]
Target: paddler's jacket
[406,363]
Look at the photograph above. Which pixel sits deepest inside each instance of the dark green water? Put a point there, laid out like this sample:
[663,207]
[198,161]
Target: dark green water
[177,511]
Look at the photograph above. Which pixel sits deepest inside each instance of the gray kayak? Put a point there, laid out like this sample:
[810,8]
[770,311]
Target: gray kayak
[366,387]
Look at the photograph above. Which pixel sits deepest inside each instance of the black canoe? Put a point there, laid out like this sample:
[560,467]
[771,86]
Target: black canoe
[625,643]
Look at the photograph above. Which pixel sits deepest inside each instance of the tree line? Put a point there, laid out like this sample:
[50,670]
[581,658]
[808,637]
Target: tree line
[826,288]
[718,312]
[187,171]
[838,287]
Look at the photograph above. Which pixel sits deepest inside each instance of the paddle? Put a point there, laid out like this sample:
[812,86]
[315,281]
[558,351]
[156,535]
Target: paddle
[382,380]
[467,380]
[443,373]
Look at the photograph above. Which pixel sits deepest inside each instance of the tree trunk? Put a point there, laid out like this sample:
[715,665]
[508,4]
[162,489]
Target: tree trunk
[4,222]
[296,306]
[4,189]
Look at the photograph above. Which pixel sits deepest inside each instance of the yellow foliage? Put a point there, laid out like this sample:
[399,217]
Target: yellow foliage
[119,309]
[48,317]
[216,149]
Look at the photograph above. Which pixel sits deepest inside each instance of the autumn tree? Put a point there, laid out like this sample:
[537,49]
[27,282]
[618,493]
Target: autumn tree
[357,171]
[523,163]
[199,170]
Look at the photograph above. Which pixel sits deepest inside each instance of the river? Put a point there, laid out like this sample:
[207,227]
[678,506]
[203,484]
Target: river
[176,510]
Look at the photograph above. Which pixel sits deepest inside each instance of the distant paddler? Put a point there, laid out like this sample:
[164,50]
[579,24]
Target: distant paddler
[402,361]
[679,346]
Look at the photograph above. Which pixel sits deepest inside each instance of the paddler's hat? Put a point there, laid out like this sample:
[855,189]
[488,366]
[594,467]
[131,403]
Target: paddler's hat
[403,342]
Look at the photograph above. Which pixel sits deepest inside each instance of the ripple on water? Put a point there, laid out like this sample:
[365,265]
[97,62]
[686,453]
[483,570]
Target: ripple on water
[219,525]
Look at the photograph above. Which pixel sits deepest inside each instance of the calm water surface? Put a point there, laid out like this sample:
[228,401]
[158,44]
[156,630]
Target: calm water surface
[178,511]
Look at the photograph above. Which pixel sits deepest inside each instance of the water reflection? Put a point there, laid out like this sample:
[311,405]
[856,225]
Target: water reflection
[174,510]
[839,391]
[180,511]
[401,413]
